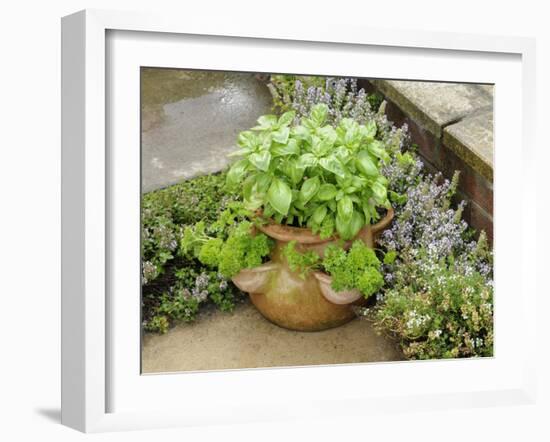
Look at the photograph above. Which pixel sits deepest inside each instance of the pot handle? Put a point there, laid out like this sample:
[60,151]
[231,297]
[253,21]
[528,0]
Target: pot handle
[340,298]
[255,280]
[384,222]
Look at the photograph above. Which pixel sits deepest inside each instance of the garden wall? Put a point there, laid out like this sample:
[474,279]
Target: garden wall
[452,124]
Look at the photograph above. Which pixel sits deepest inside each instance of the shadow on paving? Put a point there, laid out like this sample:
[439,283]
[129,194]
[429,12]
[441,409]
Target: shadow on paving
[245,339]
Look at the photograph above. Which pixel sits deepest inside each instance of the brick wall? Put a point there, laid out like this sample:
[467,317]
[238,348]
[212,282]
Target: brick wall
[446,151]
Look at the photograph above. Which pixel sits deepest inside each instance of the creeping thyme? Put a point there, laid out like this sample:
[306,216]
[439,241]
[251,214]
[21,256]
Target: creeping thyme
[175,289]
[441,309]
[166,212]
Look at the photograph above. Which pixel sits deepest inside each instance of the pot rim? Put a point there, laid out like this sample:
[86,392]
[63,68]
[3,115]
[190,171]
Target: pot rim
[304,235]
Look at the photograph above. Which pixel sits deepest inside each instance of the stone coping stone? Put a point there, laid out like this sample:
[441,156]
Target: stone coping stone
[460,115]
[472,140]
[436,105]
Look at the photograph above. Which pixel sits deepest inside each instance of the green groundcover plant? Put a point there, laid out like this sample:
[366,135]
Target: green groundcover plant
[438,296]
[175,288]
[165,212]
[438,309]
[312,174]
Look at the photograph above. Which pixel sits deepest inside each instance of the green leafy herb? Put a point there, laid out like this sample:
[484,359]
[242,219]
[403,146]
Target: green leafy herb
[302,263]
[290,171]
[358,268]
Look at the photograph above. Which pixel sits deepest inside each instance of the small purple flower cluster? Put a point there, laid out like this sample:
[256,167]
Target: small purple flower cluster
[426,221]
[200,290]
[340,95]
[428,229]
[345,100]
[402,174]
[149,271]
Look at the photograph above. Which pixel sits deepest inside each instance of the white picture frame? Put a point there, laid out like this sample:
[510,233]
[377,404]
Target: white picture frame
[87,211]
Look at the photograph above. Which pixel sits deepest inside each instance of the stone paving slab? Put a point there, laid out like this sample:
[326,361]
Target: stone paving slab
[191,119]
[245,339]
[436,105]
[472,140]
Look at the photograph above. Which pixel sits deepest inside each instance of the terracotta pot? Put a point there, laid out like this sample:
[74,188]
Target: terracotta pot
[293,302]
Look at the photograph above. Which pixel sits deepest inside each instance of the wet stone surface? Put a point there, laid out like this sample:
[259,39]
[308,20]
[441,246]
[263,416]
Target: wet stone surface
[436,105]
[190,121]
[244,339]
[472,139]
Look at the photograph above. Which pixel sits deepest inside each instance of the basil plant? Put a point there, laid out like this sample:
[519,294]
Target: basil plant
[312,174]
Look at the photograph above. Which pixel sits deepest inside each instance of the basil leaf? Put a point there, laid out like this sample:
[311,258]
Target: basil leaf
[324,147]
[343,154]
[294,171]
[263,180]
[345,209]
[346,124]
[358,181]
[266,122]
[309,189]
[260,160]
[343,228]
[279,196]
[319,214]
[307,160]
[326,192]
[377,149]
[236,172]
[352,136]
[380,192]
[356,224]
[302,133]
[332,164]
[247,139]
[327,133]
[365,164]
[281,135]
[286,118]
[265,139]
[319,114]
[368,131]
[252,198]
[290,148]
[240,152]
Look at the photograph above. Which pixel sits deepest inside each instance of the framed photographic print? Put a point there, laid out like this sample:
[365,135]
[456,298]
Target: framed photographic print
[287,223]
